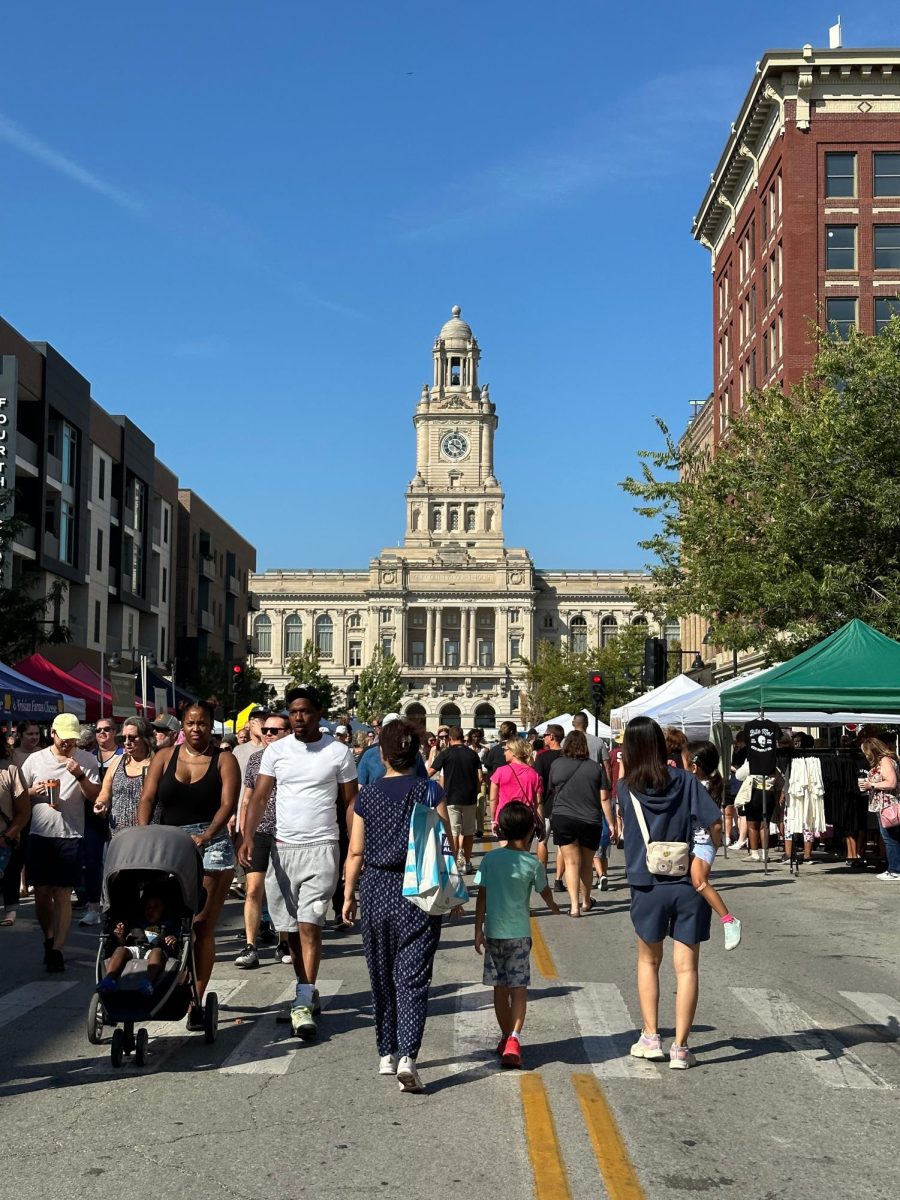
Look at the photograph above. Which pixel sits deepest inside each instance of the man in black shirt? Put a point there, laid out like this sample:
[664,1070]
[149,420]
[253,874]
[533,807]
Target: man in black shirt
[553,739]
[495,758]
[460,771]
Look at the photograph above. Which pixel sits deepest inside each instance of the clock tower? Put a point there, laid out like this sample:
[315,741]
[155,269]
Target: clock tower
[454,497]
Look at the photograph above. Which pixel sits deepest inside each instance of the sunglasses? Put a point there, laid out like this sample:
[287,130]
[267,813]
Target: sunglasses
[105,729]
[269,729]
[131,737]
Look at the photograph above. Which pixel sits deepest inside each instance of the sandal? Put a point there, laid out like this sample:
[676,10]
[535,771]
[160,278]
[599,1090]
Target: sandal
[9,919]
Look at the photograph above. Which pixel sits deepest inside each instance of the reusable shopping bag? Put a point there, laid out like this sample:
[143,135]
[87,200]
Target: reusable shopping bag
[431,880]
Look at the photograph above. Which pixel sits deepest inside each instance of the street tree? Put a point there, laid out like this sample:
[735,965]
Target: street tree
[793,526]
[380,686]
[27,619]
[213,682]
[557,679]
[305,668]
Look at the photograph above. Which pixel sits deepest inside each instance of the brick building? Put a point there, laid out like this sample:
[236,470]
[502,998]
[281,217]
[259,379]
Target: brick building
[802,221]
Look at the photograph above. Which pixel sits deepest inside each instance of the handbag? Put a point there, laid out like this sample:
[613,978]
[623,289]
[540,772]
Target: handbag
[431,880]
[890,815]
[663,858]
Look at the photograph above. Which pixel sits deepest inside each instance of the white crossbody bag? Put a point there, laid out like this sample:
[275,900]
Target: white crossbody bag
[663,858]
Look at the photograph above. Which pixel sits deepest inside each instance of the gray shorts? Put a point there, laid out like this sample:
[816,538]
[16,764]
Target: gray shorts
[462,819]
[507,962]
[300,880]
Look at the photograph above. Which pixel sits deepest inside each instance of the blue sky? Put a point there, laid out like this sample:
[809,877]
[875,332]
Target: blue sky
[245,223]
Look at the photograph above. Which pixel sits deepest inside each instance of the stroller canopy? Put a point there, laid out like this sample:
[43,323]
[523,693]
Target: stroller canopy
[157,851]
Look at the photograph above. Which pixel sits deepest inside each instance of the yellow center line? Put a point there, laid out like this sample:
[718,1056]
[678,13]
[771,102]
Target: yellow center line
[610,1150]
[542,957]
[550,1180]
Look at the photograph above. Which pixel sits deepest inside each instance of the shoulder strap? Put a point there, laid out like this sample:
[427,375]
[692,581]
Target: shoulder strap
[639,813]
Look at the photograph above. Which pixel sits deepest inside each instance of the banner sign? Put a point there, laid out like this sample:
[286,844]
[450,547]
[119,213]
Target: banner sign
[160,701]
[22,706]
[122,687]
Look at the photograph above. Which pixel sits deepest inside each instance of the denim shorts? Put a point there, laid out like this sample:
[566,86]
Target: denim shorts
[705,851]
[672,910]
[219,854]
[507,962]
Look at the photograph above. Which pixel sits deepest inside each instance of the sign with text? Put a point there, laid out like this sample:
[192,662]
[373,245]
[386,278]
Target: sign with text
[121,684]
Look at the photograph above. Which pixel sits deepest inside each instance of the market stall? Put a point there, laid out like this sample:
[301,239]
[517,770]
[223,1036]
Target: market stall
[645,706]
[22,699]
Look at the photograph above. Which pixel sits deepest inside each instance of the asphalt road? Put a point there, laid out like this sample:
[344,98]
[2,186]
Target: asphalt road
[795,1095]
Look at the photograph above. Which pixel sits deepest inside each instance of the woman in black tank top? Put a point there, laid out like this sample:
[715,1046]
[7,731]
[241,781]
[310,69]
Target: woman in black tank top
[196,787]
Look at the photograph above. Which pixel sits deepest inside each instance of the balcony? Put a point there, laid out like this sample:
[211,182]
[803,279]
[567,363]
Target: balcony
[207,568]
[154,596]
[51,545]
[26,538]
[252,602]
[128,517]
[231,585]
[156,535]
[233,633]
[54,470]
[26,455]
[113,578]
[205,621]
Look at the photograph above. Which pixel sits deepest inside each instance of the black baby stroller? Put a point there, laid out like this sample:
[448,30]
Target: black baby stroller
[166,858]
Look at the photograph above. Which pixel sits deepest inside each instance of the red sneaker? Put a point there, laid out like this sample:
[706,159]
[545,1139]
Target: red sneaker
[501,1045]
[512,1053]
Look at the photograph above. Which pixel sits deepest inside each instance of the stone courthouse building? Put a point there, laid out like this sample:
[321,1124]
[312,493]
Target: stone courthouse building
[455,605]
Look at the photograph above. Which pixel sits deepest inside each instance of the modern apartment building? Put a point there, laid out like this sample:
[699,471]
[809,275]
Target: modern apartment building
[104,515]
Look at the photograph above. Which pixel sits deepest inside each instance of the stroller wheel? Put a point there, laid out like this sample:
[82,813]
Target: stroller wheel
[117,1048]
[210,1017]
[95,1021]
[129,1037]
[140,1047]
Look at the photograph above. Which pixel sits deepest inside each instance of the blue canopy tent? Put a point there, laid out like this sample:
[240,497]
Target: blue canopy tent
[21,699]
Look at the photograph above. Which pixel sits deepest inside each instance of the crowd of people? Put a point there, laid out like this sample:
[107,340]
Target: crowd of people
[313,820]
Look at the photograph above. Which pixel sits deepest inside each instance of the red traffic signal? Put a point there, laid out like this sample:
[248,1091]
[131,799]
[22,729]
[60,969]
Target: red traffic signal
[596,679]
[237,669]
[237,678]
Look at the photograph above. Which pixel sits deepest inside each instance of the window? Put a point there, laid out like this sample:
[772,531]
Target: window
[293,634]
[355,654]
[385,615]
[165,513]
[416,653]
[101,478]
[514,616]
[262,628]
[130,643]
[547,621]
[887,175]
[885,308]
[609,628]
[840,315]
[69,454]
[99,552]
[387,646]
[470,520]
[139,492]
[765,353]
[66,533]
[840,174]
[578,628]
[485,652]
[162,643]
[515,648]
[355,621]
[840,247]
[454,519]
[97,616]
[165,586]
[639,621]
[324,636]
[455,365]
[451,652]
[887,247]
[436,519]
[417,616]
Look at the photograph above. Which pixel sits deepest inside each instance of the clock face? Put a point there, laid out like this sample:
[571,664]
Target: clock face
[454,445]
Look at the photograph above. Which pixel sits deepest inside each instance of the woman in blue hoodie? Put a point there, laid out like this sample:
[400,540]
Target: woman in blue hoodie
[672,803]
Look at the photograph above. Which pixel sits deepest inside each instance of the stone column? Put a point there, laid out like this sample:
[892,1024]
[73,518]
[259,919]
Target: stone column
[438,636]
[401,654]
[472,650]
[501,637]
[429,636]
[340,641]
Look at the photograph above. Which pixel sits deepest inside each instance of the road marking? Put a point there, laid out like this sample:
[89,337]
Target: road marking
[166,1037]
[543,959]
[819,1049]
[610,1150]
[21,1000]
[607,1032]
[475,1032]
[884,1010]
[266,1049]
[550,1179]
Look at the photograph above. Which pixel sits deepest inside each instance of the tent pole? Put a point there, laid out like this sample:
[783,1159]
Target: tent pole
[102,685]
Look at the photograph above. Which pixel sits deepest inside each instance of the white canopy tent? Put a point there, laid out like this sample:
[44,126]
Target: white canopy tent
[565,722]
[698,712]
[658,698]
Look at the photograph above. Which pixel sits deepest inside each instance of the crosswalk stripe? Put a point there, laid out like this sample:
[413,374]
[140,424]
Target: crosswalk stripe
[818,1048]
[884,1010]
[267,1049]
[475,1031]
[21,1000]
[166,1037]
[607,1032]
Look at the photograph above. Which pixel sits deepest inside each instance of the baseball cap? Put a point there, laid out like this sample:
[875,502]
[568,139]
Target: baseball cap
[258,713]
[386,720]
[67,727]
[167,724]
[341,729]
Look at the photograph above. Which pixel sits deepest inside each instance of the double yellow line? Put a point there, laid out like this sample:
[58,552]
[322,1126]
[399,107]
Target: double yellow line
[551,1181]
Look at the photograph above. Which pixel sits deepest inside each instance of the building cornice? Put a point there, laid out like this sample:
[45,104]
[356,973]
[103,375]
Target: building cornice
[766,94]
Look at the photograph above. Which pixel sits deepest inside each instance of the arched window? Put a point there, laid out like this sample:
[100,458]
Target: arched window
[485,717]
[454,518]
[262,627]
[354,621]
[470,520]
[450,714]
[436,519]
[609,629]
[639,621]
[293,635]
[578,634]
[324,636]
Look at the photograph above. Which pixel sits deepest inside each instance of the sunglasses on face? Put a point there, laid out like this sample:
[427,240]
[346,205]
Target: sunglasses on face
[272,732]
[131,737]
[105,729]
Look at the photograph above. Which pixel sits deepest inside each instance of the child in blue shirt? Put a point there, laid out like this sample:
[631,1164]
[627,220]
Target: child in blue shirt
[506,879]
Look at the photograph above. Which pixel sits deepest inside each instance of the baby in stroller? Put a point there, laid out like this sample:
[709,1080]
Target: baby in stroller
[155,939]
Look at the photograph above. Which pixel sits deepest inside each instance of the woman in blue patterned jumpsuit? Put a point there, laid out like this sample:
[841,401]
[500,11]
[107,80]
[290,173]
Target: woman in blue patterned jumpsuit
[400,940]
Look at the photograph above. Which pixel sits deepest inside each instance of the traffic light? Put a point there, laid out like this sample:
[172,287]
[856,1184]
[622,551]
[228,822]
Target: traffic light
[654,662]
[237,679]
[597,689]
[352,693]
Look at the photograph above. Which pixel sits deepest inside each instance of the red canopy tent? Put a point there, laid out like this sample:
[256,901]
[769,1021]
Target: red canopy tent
[38,668]
[88,675]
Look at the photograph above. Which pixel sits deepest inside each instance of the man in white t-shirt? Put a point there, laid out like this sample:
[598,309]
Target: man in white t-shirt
[313,772]
[59,781]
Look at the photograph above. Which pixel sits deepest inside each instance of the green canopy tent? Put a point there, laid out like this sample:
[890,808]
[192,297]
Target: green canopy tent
[852,675]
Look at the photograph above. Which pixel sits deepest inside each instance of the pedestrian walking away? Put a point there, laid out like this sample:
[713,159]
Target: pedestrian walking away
[581,814]
[310,769]
[15,813]
[400,940]
[460,770]
[703,758]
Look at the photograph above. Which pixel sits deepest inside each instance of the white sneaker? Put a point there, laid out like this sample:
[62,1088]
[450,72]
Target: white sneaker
[740,845]
[604,883]
[387,1064]
[91,917]
[732,930]
[888,875]
[407,1075]
[753,856]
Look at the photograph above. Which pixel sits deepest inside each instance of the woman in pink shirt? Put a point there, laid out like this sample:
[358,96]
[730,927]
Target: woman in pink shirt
[516,780]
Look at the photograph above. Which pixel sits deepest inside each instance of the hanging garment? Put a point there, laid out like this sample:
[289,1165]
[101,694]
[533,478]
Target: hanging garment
[805,799]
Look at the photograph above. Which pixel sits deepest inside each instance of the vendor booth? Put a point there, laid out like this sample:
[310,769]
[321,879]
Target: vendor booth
[43,671]
[645,706]
[21,699]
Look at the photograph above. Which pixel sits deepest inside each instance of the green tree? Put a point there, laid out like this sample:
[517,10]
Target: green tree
[380,686]
[24,622]
[304,668]
[213,682]
[557,679]
[793,527]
